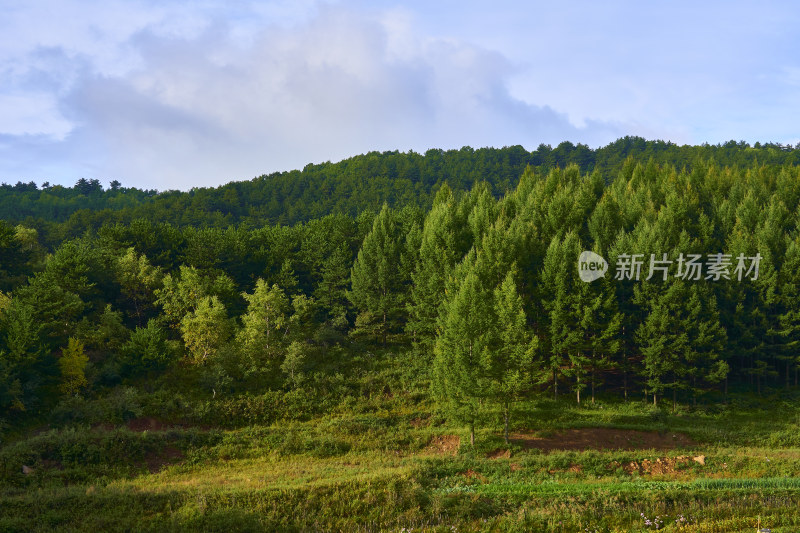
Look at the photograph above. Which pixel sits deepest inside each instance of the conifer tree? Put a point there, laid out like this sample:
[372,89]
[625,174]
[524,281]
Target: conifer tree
[788,319]
[559,293]
[509,358]
[438,254]
[600,323]
[458,380]
[681,340]
[376,279]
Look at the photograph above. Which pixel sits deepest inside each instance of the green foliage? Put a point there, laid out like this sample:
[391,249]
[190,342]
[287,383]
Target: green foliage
[138,280]
[73,368]
[206,329]
[265,325]
[379,286]
[182,294]
[457,375]
[508,360]
[147,348]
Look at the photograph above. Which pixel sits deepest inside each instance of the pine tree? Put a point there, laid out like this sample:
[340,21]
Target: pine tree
[458,380]
[789,317]
[508,360]
[331,291]
[559,292]
[376,279]
[681,340]
[600,323]
[438,254]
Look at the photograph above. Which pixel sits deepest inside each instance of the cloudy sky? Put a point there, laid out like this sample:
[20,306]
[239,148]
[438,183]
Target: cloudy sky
[176,94]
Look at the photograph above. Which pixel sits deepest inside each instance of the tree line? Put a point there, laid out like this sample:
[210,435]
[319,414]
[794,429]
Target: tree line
[363,182]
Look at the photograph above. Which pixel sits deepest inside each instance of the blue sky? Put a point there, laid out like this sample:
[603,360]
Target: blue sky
[173,94]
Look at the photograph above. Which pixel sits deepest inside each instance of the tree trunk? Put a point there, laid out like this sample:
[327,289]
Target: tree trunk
[578,389]
[505,420]
[655,403]
[384,329]
[787,374]
[674,397]
[472,433]
[625,382]
[555,385]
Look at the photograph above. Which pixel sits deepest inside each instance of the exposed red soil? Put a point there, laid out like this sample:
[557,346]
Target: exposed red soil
[602,439]
[660,465]
[471,474]
[499,454]
[443,445]
[169,455]
[147,423]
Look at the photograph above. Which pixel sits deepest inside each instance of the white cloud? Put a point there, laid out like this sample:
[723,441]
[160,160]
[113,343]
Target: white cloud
[205,108]
[173,94]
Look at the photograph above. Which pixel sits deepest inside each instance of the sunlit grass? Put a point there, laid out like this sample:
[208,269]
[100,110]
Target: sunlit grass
[370,467]
[271,472]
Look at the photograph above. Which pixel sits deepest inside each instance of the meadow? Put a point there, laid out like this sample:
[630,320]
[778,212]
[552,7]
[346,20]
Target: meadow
[386,461]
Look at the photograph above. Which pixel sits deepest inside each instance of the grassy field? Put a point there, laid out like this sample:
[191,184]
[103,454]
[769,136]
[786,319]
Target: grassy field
[386,462]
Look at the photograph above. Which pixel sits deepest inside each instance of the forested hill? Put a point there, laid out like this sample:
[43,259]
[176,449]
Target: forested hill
[350,186]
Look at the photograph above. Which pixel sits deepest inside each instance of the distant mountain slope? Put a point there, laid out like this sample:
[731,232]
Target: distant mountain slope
[350,186]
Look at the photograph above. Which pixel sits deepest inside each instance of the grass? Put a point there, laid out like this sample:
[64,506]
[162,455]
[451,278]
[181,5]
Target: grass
[367,464]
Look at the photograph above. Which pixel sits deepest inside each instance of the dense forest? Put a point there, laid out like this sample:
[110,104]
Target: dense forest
[466,258]
[348,187]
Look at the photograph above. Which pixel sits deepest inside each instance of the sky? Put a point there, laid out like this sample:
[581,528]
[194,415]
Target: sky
[174,94]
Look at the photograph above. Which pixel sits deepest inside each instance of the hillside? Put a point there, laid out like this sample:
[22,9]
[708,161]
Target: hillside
[433,362]
[353,185]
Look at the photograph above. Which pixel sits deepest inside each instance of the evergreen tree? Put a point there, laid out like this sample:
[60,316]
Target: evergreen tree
[681,340]
[376,279]
[600,323]
[559,292]
[147,348]
[509,358]
[458,380]
[438,255]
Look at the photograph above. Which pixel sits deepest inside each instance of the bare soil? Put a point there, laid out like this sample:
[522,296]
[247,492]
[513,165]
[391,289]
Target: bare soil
[602,439]
[443,445]
[169,455]
[147,424]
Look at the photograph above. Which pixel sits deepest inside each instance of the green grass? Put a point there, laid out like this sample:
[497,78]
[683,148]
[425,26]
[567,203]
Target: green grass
[364,464]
